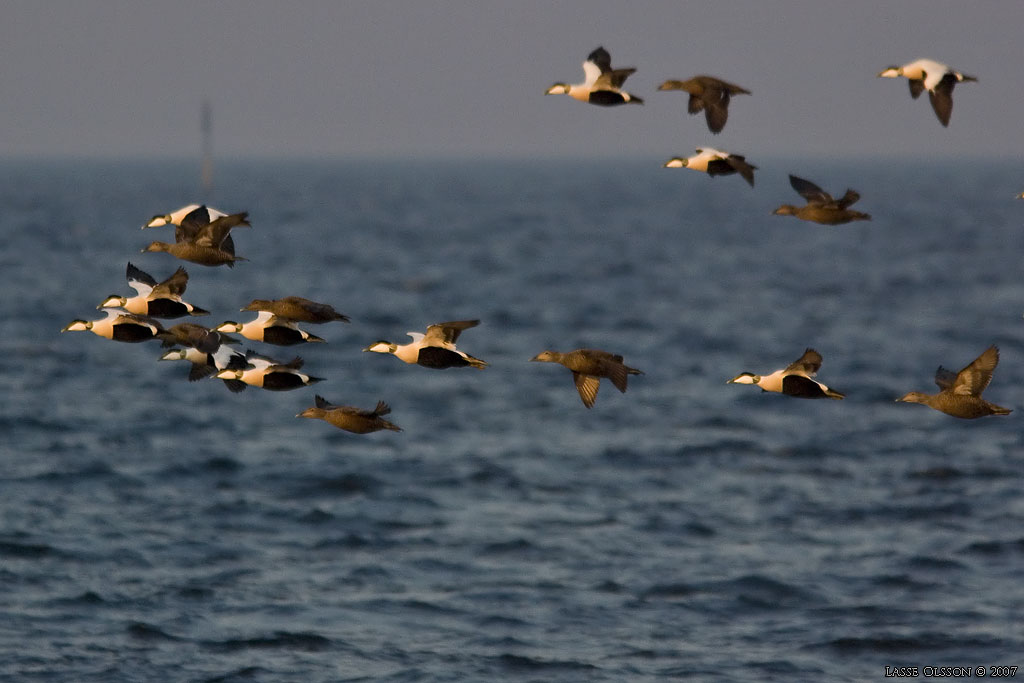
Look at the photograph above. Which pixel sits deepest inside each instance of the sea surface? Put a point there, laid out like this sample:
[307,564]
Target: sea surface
[153,529]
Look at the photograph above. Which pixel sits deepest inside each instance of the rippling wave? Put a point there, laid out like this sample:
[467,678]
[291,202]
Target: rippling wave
[157,529]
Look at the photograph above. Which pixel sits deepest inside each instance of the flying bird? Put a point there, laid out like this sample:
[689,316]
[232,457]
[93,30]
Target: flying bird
[435,349]
[821,207]
[602,85]
[152,298]
[267,327]
[350,418]
[793,380]
[205,364]
[715,162]
[297,309]
[198,215]
[588,366]
[269,374]
[709,94]
[119,326]
[960,392]
[935,77]
[202,242]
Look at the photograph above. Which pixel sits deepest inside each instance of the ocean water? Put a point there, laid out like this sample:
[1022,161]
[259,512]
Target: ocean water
[153,529]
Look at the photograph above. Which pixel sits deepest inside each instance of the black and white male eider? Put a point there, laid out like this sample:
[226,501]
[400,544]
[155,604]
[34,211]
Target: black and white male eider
[297,309]
[267,327]
[793,380]
[205,364]
[119,326]
[821,207]
[715,162]
[270,374]
[155,299]
[709,94]
[935,77]
[435,349]
[602,85]
[960,394]
[588,366]
[350,418]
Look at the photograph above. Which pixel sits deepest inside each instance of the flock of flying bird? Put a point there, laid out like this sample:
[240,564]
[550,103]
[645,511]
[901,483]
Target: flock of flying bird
[203,236]
[960,393]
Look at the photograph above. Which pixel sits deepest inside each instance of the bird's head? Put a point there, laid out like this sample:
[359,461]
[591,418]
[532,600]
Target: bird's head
[114,301]
[382,347]
[78,325]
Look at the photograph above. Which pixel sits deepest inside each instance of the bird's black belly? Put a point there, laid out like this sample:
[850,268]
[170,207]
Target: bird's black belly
[132,333]
[439,359]
[166,308]
[606,98]
[282,336]
[801,387]
[281,381]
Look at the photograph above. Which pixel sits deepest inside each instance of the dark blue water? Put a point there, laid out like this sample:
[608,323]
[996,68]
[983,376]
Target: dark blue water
[157,530]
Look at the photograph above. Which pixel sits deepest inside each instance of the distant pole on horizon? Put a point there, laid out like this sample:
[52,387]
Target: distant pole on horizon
[206,172]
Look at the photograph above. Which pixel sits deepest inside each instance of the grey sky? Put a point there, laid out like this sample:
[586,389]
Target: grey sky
[465,78]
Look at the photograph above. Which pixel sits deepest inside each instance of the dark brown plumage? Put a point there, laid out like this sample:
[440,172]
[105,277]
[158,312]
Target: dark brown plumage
[709,94]
[821,207]
[350,418]
[960,394]
[298,309]
[194,336]
[588,366]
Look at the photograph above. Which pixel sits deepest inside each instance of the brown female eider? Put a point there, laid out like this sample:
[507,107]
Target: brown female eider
[350,418]
[935,77]
[960,394]
[270,374]
[601,85]
[588,367]
[435,349]
[821,207]
[267,327]
[793,380]
[119,326]
[710,94]
[194,336]
[715,162]
[297,309]
[155,299]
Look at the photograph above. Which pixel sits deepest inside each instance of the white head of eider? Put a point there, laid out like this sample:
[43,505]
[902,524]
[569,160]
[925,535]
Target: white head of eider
[601,84]
[793,380]
[935,77]
[435,349]
[175,217]
[715,162]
